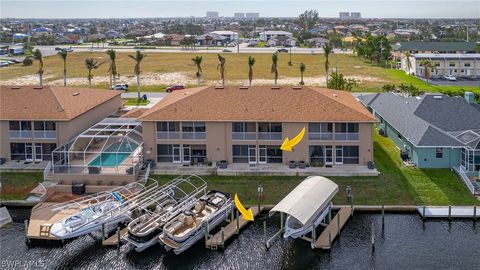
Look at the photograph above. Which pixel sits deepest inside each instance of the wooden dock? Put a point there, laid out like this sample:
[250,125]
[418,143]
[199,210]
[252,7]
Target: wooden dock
[333,229]
[113,240]
[230,230]
[42,218]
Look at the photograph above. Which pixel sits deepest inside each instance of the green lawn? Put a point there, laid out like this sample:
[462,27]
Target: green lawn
[396,185]
[15,186]
[135,102]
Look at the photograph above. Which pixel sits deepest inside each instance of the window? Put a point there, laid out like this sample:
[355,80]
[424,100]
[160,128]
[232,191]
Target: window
[350,155]
[243,127]
[316,153]
[437,64]
[467,64]
[17,151]
[164,153]
[240,153]
[199,126]
[187,127]
[320,131]
[439,152]
[269,127]
[346,131]
[274,154]
[451,64]
[199,153]
[44,125]
[14,125]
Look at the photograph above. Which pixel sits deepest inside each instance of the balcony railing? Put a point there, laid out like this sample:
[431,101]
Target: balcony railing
[270,136]
[242,136]
[194,135]
[45,134]
[347,136]
[20,134]
[162,135]
[320,136]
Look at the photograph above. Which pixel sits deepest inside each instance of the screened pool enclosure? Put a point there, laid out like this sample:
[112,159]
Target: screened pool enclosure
[112,146]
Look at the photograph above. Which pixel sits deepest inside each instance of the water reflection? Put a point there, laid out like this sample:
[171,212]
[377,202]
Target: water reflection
[404,242]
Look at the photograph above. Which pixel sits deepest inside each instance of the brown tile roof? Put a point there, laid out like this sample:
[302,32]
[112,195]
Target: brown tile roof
[259,103]
[49,102]
[134,113]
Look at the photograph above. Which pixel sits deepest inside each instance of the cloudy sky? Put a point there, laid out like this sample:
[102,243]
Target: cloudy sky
[268,8]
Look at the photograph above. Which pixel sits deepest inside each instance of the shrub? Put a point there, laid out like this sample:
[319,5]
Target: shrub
[27,61]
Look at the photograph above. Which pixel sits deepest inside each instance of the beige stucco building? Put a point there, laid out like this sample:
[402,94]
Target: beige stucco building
[248,125]
[35,120]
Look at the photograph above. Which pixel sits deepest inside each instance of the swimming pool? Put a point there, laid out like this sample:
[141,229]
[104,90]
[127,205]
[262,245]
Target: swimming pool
[114,155]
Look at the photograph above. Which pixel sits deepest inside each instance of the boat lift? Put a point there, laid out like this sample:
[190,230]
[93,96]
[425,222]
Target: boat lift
[172,191]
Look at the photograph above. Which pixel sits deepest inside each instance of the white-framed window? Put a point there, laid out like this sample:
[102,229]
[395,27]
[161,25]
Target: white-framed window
[439,152]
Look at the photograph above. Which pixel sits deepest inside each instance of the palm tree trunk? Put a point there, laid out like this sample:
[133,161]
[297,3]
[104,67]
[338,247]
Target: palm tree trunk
[198,81]
[250,77]
[64,76]
[301,81]
[40,75]
[138,86]
[114,79]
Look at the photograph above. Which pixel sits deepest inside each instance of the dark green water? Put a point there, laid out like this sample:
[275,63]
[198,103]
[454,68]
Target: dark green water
[404,243]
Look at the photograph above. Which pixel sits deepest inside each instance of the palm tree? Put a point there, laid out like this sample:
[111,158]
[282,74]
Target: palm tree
[221,68]
[251,62]
[138,57]
[274,69]
[302,70]
[91,65]
[409,63]
[427,65]
[327,50]
[63,54]
[37,55]
[197,60]
[113,67]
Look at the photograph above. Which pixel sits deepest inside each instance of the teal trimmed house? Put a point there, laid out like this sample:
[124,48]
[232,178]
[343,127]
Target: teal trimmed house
[432,130]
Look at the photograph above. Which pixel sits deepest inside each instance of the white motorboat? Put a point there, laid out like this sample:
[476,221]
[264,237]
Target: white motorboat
[295,229]
[84,222]
[188,227]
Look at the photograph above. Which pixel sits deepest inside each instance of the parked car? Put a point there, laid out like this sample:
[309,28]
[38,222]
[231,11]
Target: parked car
[174,87]
[226,50]
[58,49]
[450,77]
[282,50]
[123,87]
[14,60]
[4,64]
[69,50]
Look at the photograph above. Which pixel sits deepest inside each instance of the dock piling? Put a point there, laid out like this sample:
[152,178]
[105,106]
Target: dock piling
[206,232]
[475,213]
[330,238]
[314,237]
[351,206]
[423,212]
[265,233]
[118,237]
[338,225]
[232,212]
[103,232]
[373,235]
[330,215]
[282,229]
[223,237]
[449,212]
[383,216]
[238,222]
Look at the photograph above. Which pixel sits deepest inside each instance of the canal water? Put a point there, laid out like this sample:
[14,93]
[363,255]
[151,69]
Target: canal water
[405,242]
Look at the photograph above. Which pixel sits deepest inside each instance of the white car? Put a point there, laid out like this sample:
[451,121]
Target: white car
[123,87]
[450,77]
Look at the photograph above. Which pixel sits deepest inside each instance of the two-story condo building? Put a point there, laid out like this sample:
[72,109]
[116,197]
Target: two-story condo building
[35,120]
[247,125]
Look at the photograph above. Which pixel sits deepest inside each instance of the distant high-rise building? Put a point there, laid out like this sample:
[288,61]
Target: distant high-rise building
[355,15]
[239,15]
[212,14]
[350,15]
[251,15]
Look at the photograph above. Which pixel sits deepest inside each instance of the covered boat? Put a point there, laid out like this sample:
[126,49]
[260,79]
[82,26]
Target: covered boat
[307,205]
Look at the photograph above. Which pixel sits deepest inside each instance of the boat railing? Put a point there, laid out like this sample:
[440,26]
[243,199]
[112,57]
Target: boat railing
[130,189]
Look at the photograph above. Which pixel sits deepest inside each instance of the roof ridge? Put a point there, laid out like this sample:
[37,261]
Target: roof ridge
[159,106]
[358,110]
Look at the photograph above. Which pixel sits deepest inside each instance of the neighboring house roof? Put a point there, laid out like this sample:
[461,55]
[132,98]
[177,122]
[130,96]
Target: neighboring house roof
[434,46]
[429,120]
[50,102]
[213,36]
[276,33]
[318,40]
[259,103]
[134,113]
[156,35]
[225,32]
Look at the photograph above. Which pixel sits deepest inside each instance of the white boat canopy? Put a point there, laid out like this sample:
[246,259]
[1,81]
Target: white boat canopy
[307,199]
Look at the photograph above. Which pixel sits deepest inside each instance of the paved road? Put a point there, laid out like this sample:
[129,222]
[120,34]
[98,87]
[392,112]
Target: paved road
[50,50]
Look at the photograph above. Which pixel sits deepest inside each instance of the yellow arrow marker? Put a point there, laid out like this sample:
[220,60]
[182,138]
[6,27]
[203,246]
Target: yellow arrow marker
[287,145]
[246,214]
